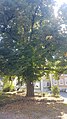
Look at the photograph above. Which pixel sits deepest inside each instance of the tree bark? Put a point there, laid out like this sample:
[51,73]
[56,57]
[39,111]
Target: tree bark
[10,78]
[30,89]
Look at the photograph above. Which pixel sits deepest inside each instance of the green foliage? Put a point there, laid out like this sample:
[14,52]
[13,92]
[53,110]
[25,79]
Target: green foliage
[55,90]
[56,75]
[8,87]
[26,37]
[7,84]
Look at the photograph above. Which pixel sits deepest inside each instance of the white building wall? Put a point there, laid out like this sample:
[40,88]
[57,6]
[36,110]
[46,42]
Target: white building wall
[62,82]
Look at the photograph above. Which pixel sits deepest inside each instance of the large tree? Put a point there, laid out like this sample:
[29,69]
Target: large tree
[28,38]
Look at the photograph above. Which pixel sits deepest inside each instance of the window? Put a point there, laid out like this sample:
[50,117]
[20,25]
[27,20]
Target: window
[65,80]
[61,82]
[48,84]
[55,82]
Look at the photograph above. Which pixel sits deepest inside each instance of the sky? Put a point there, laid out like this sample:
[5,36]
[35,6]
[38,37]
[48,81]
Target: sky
[58,4]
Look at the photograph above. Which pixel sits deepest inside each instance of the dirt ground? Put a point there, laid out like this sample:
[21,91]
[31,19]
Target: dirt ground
[30,108]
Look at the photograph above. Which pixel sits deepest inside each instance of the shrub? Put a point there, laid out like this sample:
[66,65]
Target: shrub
[55,90]
[8,87]
[8,84]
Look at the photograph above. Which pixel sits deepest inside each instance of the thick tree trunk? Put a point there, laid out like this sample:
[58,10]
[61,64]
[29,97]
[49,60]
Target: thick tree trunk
[30,88]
